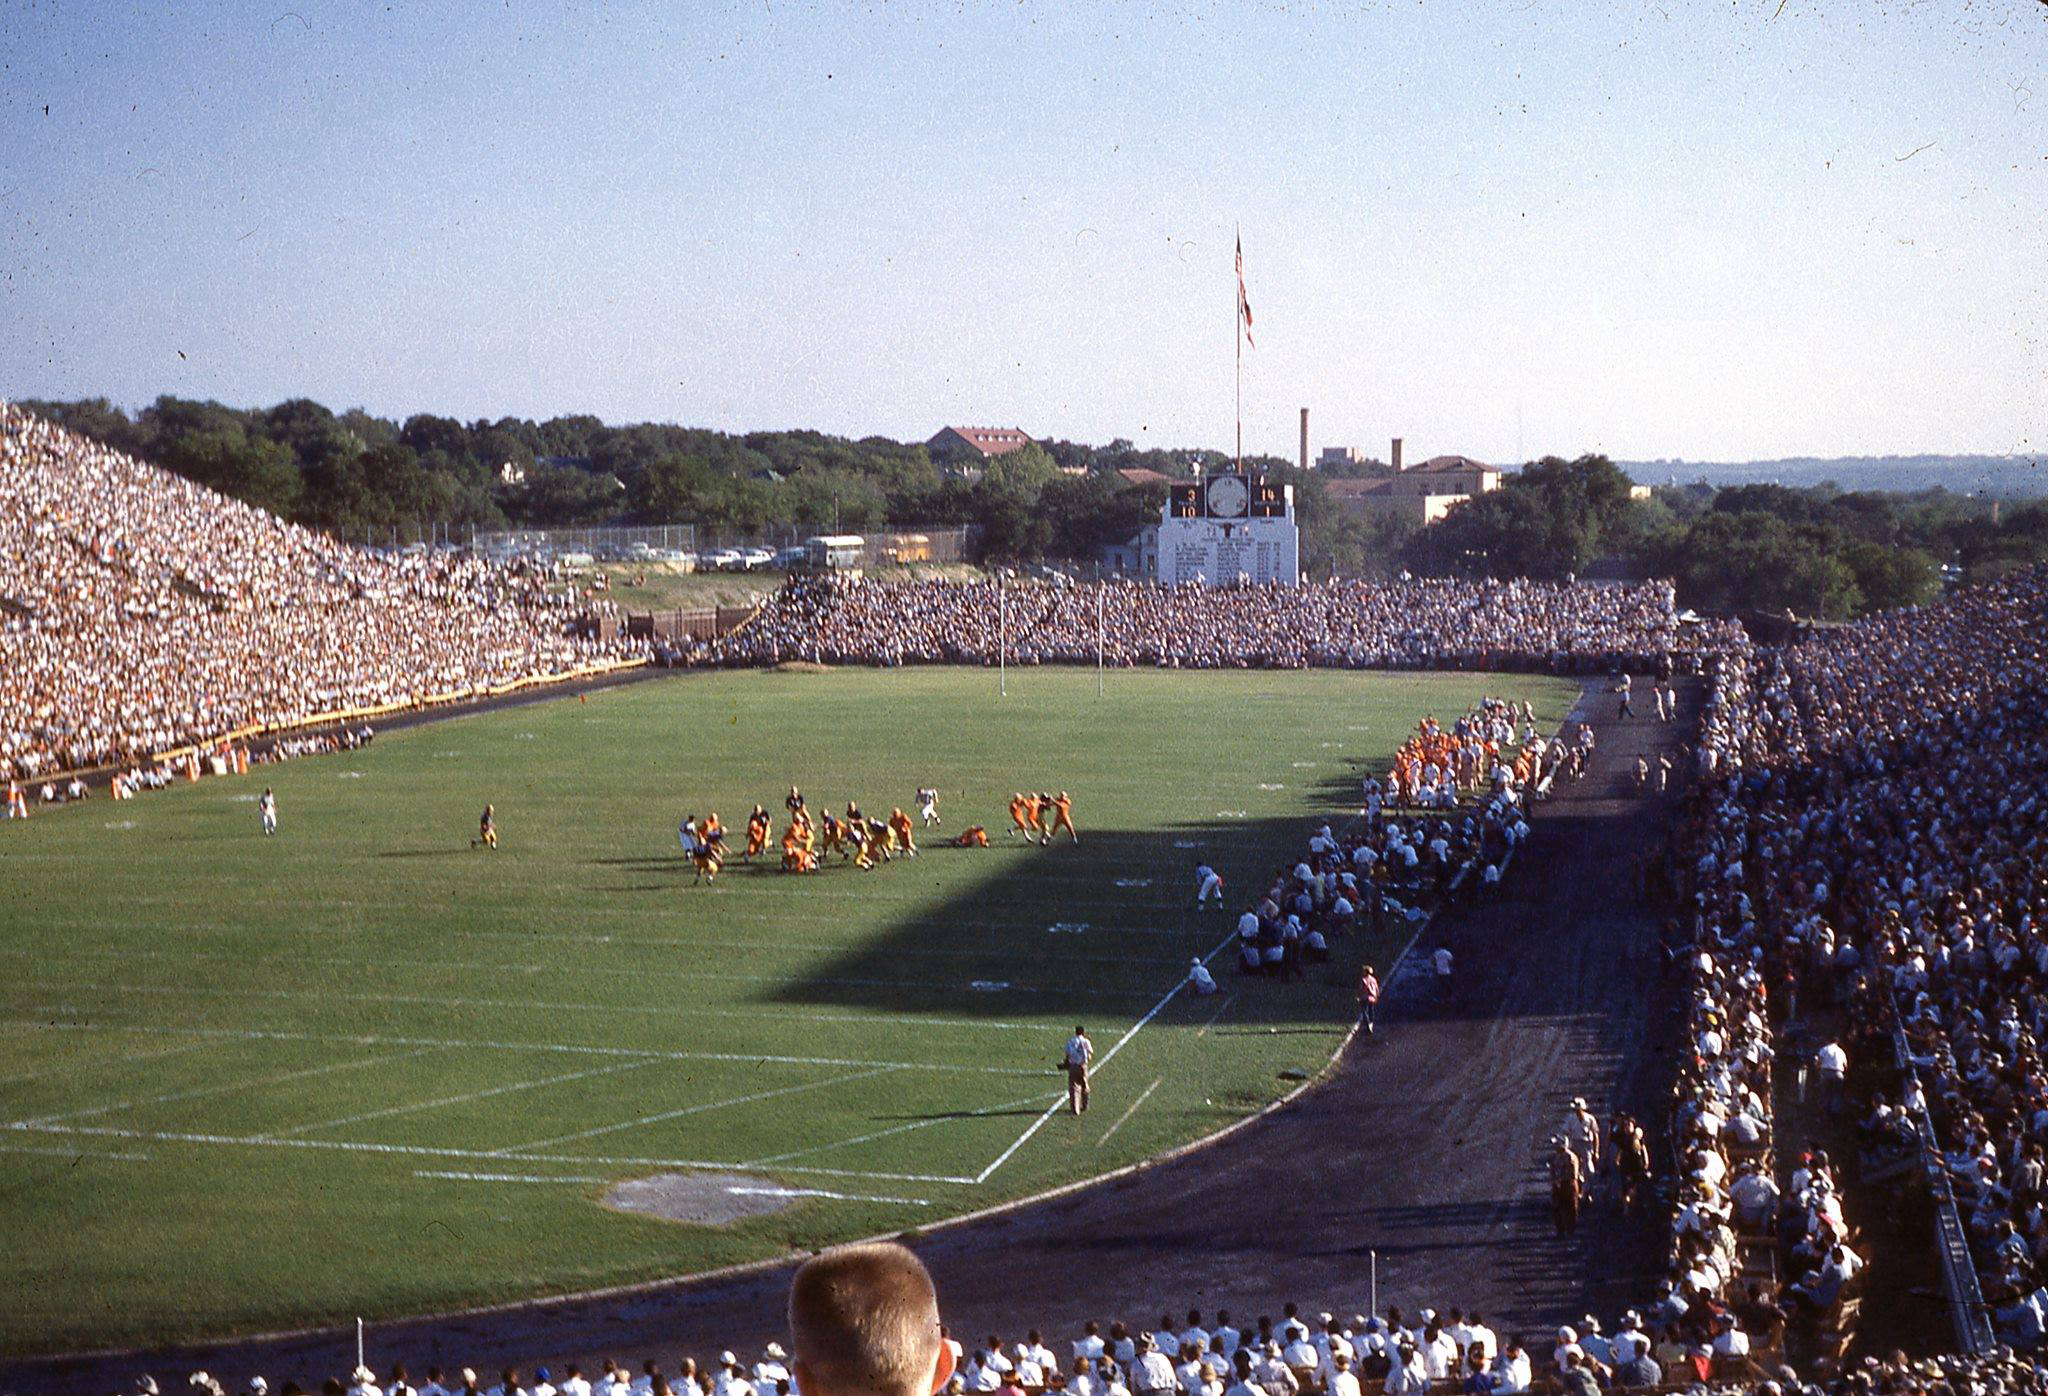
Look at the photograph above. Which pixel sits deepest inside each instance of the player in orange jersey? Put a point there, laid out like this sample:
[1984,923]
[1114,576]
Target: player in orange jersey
[1022,816]
[973,836]
[1063,818]
[758,829]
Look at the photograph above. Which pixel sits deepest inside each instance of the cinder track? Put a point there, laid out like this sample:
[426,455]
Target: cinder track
[1424,1145]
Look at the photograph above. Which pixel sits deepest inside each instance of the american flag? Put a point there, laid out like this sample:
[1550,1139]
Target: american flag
[1244,307]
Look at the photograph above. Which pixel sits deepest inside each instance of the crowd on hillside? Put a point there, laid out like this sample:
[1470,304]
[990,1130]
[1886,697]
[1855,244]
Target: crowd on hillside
[1405,624]
[1874,833]
[139,612]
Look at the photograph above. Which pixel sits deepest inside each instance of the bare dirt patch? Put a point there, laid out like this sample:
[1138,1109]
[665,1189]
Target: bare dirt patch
[802,666]
[701,1199]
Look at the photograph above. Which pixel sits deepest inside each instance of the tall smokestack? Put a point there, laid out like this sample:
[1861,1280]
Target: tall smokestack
[1395,460]
[1304,440]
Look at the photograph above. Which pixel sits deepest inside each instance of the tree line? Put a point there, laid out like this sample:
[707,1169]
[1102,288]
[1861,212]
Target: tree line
[1820,551]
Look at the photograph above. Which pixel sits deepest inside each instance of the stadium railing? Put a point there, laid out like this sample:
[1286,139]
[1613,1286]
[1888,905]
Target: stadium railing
[1959,1283]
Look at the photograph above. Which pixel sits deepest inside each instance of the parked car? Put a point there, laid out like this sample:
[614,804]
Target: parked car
[789,559]
[723,559]
[750,558]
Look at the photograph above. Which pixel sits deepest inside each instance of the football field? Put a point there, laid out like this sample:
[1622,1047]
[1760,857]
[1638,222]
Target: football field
[249,1083]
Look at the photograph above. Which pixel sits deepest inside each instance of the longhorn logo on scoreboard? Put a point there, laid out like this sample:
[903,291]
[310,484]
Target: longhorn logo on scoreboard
[1227,530]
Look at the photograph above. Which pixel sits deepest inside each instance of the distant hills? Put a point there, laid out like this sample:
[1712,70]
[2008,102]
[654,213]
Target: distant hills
[2003,477]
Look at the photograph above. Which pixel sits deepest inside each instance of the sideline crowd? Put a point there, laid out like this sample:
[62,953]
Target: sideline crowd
[1407,624]
[140,612]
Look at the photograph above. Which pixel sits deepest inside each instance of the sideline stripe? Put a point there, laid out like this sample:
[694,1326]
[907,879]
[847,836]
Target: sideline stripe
[71,1153]
[820,1192]
[380,1040]
[516,968]
[510,1177]
[219,1087]
[1107,1057]
[464,1098]
[355,1146]
[515,1149]
[1130,1112]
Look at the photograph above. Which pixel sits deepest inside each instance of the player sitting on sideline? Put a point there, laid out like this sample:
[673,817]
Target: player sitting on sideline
[864,1321]
[973,836]
[486,830]
[928,805]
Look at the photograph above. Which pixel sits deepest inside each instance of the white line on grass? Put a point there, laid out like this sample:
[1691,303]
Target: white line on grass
[356,1146]
[1150,1014]
[948,1118]
[71,1153]
[486,967]
[1228,1000]
[1130,1112]
[71,1062]
[379,1040]
[514,1149]
[510,1177]
[820,1192]
[221,1087]
[468,1096]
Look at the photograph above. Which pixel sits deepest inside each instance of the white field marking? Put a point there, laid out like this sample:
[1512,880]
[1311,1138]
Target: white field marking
[468,1096]
[71,1062]
[488,968]
[511,1177]
[356,1146]
[1130,1112]
[1031,1099]
[376,1040]
[1266,785]
[221,1087]
[678,1114]
[120,824]
[1228,1000]
[71,1153]
[349,775]
[820,1192]
[1107,1057]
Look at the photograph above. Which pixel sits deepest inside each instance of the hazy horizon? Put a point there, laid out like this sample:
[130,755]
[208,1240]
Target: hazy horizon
[1710,233]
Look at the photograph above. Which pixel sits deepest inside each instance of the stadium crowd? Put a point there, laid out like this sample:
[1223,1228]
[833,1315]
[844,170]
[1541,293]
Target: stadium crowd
[141,612]
[1338,624]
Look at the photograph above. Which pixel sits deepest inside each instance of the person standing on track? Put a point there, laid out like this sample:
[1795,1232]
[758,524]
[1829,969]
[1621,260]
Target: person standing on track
[1565,1187]
[1080,1051]
[1368,998]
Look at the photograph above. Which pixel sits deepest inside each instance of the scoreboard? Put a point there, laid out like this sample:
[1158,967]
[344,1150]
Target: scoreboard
[1229,528]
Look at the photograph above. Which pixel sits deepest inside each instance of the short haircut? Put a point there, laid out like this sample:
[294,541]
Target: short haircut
[865,1319]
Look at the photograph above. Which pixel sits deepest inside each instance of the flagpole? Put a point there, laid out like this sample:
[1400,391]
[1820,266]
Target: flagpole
[1237,339]
[1002,638]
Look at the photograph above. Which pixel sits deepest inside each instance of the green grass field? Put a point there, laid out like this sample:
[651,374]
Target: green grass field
[248,1083]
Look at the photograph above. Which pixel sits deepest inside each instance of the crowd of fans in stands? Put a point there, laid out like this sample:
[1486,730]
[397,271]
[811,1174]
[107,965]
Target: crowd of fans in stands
[1406,624]
[139,612]
[1893,777]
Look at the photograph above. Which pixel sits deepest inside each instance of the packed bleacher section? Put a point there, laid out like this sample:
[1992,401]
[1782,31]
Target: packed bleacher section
[140,612]
[1872,833]
[1399,1353]
[1359,625]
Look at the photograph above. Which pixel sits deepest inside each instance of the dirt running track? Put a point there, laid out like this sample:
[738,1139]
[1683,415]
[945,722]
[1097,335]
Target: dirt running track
[1425,1145]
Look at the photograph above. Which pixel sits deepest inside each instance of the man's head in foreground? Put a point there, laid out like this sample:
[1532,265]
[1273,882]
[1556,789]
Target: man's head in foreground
[865,1322]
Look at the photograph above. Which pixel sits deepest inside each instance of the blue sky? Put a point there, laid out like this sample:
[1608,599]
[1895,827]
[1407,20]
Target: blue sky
[1713,230]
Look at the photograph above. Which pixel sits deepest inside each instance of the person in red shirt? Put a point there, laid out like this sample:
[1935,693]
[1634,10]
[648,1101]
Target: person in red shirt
[1368,998]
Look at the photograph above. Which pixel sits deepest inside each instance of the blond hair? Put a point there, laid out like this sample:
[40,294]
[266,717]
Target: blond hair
[865,1322]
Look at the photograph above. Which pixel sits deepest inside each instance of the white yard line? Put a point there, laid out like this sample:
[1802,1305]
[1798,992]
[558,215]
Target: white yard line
[1130,1112]
[499,969]
[510,1177]
[820,1192]
[73,1062]
[463,1099]
[1228,1000]
[356,1146]
[897,1129]
[221,1087]
[516,1149]
[380,1040]
[1106,1058]
[71,1153]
